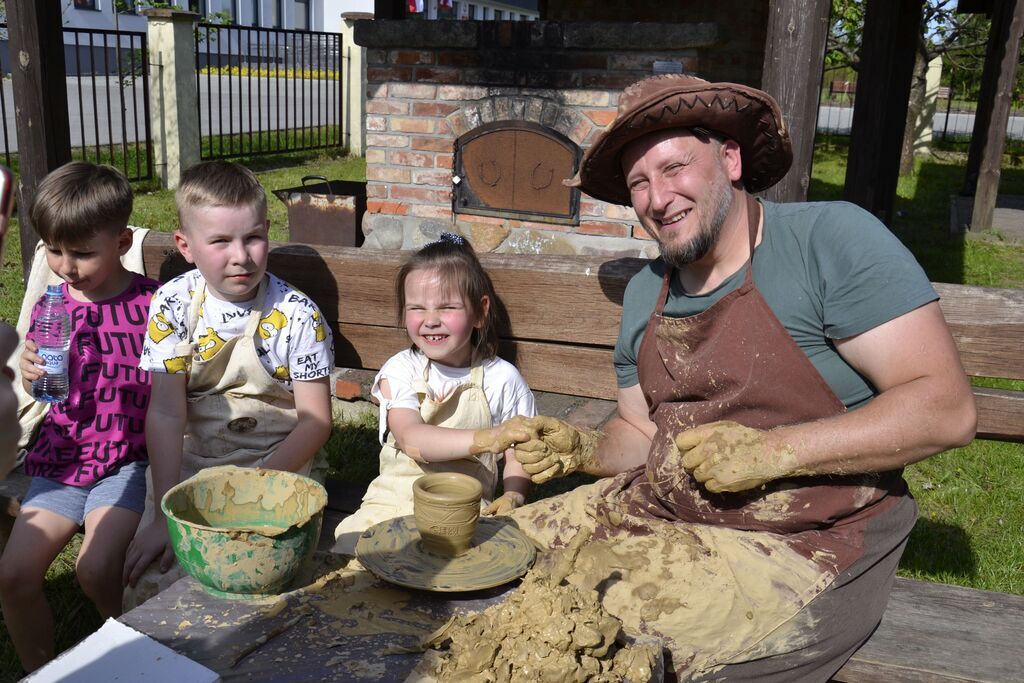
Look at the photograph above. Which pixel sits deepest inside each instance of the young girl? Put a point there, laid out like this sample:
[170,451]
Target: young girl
[441,399]
[88,463]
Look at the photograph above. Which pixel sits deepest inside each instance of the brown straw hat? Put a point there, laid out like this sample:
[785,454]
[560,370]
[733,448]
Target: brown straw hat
[747,115]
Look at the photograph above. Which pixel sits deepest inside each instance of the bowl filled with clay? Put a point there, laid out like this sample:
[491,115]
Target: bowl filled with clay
[244,532]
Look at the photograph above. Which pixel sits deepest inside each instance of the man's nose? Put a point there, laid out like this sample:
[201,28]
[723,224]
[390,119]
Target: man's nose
[659,195]
[239,253]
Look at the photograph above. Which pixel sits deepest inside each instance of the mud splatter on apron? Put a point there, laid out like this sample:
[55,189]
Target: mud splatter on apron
[715,574]
[237,415]
[390,494]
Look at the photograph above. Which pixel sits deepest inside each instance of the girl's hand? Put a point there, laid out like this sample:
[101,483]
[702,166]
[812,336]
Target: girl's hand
[499,439]
[504,504]
[29,371]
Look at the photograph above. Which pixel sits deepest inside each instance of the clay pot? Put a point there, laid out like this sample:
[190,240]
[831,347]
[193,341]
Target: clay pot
[446,506]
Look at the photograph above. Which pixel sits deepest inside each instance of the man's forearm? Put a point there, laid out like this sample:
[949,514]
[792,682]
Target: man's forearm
[901,426]
[622,447]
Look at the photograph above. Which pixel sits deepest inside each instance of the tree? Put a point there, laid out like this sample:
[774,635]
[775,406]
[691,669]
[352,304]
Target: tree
[943,32]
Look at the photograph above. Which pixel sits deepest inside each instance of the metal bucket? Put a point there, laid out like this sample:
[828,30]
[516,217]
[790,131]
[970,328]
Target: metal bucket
[328,212]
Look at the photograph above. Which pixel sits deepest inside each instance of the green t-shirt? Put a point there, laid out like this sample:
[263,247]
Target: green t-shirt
[828,270]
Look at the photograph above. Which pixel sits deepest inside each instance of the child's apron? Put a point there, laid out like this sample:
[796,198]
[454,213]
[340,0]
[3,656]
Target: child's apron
[390,494]
[237,415]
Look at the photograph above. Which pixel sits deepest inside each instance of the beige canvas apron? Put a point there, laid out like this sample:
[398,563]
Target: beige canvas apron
[390,494]
[237,415]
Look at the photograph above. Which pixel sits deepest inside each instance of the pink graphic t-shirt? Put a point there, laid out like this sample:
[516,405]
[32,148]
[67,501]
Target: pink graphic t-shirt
[101,425]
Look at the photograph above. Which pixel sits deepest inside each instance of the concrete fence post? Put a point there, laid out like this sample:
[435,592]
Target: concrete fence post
[173,98]
[353,106]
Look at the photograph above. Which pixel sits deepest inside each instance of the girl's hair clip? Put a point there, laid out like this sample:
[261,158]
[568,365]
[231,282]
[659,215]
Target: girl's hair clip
[450,238]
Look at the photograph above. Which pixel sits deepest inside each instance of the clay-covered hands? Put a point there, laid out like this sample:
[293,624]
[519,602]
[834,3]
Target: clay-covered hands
[501,438]
[504,504]
[553,448]
[727,457]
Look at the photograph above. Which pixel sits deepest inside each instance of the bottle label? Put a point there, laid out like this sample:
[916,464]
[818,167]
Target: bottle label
[55,361]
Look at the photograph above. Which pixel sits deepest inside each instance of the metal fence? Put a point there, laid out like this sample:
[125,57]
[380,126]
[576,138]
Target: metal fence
[267,91]
[953,119]
[107,74]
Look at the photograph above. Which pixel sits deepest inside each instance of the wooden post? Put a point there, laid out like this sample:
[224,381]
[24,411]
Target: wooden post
[891,30]
[794,58]
[41,115]
[989,137]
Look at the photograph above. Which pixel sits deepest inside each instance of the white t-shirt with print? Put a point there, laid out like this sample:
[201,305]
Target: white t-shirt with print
[506,390]
[293,342]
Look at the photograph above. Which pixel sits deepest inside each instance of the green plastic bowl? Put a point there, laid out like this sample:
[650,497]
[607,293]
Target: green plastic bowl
[243,532]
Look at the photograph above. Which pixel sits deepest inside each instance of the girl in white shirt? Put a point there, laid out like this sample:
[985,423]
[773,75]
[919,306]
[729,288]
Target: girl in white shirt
[442,399]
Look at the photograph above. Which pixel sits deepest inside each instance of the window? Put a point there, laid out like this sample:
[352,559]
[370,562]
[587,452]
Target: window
[275,13]
[255,13]
[499,15]
[87,4]
[199,7]
[302,15]
[472,11]
[488,13]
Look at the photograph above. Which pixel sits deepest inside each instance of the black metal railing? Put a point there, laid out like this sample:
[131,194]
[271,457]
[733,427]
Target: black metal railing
[107,75]
[267,91]
[111,127]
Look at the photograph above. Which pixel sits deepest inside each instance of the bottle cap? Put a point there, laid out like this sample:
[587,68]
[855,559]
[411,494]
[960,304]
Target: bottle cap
[53,290]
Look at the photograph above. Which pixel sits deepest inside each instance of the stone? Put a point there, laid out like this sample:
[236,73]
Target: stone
[538,242]
[484,237]
[384,232]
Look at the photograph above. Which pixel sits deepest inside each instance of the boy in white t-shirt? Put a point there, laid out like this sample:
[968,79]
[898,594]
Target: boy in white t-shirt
[240,359]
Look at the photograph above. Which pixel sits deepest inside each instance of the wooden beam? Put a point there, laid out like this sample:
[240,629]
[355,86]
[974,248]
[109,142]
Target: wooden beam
[989,136]
[891,29]
[40,90]
[794,58]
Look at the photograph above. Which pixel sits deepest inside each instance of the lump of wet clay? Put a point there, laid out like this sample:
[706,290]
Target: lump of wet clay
[546,630]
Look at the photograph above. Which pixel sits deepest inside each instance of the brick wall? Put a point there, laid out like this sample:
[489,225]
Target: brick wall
[431,81]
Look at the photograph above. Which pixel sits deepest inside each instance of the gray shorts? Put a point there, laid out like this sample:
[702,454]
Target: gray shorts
[125,488]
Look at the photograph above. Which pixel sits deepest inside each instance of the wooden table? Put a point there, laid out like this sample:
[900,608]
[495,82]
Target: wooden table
[339,631]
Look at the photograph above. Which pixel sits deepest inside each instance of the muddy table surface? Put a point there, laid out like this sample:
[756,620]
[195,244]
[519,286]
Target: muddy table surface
[345,626]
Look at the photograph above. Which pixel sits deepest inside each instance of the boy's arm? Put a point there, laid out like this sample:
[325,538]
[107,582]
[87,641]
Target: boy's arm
[313,405]
[165,431]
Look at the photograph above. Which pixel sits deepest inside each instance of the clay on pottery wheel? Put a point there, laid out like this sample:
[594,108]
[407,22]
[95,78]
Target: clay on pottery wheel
[446,506]
[392,551]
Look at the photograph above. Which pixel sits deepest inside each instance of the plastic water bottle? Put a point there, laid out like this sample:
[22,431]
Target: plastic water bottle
[53,336]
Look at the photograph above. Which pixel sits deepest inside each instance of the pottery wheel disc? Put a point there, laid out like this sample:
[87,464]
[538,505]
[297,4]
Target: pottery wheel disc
[392,551]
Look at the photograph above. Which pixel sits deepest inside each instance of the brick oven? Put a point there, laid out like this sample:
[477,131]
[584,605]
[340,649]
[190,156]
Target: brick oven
[472,125]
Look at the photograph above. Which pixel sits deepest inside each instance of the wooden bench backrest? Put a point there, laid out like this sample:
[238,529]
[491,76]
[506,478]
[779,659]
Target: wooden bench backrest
[563,314]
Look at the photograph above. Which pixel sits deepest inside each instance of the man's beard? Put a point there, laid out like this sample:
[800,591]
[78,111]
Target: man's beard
[711,217]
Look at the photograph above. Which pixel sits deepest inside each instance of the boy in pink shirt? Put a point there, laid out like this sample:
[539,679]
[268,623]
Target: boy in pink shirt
[89,461]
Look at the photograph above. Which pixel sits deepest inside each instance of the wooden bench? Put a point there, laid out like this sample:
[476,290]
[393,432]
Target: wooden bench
[564,319]
[563,315]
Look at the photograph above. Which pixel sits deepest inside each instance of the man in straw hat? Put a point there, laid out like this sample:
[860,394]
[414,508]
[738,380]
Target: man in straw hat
[778,366]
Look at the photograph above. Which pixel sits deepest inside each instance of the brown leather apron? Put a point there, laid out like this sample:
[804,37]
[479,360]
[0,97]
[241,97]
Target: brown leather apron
[735,361]
[722,579]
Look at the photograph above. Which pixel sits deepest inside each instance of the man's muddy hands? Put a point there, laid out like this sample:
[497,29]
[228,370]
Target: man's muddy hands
[552,448]
[727,457]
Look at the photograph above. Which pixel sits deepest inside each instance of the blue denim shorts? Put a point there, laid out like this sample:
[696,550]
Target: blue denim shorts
[125,488]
